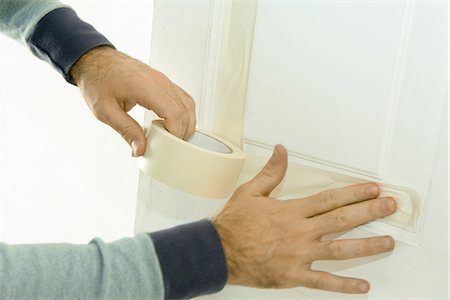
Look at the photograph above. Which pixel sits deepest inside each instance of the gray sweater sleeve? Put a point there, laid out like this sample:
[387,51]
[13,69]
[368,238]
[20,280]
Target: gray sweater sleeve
[177,263]
[125,269]
[19,17]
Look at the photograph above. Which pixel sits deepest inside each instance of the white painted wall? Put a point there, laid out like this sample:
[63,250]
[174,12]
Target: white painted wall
[66,177]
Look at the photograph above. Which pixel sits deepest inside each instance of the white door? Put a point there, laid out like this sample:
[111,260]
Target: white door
[353,87]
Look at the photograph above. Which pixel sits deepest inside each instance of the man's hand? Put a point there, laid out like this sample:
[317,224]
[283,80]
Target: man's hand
[113,83]
[271,243]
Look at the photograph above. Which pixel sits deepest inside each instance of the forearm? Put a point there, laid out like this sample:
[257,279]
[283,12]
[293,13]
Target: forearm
[124,269]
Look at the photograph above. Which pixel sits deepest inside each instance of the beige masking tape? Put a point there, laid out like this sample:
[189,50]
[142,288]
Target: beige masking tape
[206,165]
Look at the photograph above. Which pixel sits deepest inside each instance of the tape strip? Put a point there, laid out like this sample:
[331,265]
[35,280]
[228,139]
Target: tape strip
[206,165]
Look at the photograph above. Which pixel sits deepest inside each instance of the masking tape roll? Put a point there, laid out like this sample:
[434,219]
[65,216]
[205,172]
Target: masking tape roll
[206,165]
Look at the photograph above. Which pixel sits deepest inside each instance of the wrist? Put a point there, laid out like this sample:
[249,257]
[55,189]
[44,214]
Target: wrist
[225,238]
[91,62]
[191,259]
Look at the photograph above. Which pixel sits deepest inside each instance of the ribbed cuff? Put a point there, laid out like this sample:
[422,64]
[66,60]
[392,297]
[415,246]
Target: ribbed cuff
[61,38]
[192,260]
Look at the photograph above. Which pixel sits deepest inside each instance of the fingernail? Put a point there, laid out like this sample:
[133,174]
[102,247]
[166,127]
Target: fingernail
[385,243]
[134,148]
[372,190]
[388,205]
[363,287]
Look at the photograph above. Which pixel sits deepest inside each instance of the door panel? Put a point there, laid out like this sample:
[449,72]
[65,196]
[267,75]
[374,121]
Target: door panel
[324,75]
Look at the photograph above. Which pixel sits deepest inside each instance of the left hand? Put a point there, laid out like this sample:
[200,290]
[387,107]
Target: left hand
[270,243]
[112,83]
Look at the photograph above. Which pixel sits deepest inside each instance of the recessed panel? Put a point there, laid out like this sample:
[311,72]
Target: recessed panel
[322,79]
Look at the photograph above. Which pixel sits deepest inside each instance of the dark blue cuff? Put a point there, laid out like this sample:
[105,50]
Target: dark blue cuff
[61,38]
[192,260]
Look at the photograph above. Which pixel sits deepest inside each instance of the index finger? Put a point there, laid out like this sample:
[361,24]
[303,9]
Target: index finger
[166,104]
[334,198]
[189,103]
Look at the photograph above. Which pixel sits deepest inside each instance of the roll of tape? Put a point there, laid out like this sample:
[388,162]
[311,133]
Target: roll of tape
[206,165]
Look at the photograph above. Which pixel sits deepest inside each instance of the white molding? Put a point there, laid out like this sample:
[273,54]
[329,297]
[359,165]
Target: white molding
[207,102]
[439,111]
[319,162]
[394,97]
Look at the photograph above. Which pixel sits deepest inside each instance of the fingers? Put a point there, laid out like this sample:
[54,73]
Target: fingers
[350,216]
[271,175]
[170,102]
[190,106]
[165,106]
[329,282]
[113,115]
[331,199]
[346,249]
[118,82]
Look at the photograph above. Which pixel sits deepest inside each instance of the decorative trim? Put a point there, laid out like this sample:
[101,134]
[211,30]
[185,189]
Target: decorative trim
[209,85]
[395,93]
[318,162]
[436,127]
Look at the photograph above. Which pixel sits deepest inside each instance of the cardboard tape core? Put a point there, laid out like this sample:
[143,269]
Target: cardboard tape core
[206,165]
[205,141]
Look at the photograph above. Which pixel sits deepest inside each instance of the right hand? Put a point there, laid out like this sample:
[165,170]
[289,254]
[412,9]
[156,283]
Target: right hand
[270,243]
[112,83]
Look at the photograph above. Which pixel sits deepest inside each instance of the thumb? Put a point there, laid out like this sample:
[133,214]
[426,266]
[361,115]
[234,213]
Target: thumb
[127,127]
[272,173]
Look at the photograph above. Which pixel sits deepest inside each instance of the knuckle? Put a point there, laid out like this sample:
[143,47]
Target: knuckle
[177,112]
[243,188]
[185,117]
[182,92]
[361,249]
[98,109]
[270,171]
[342,220]
[189,102]
[319,282]
[126,131]
[338,219]
[334,250]
[330,200]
